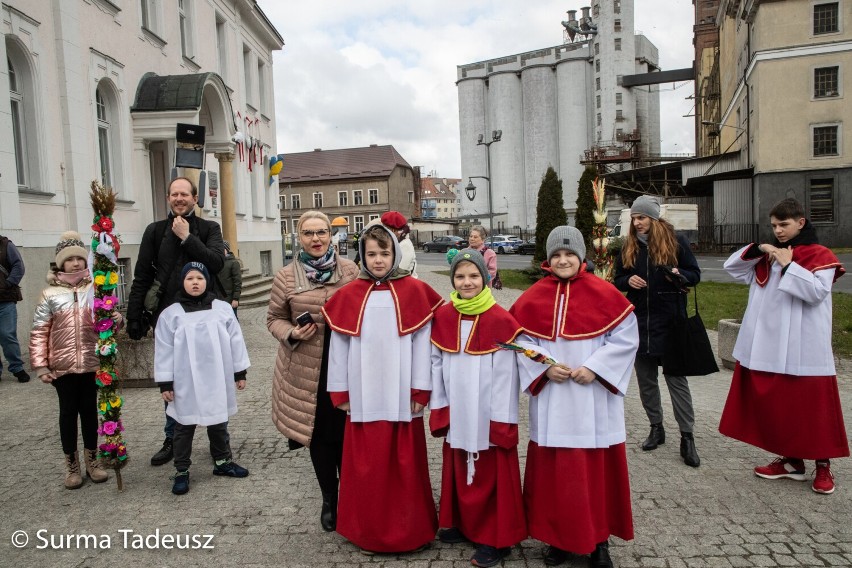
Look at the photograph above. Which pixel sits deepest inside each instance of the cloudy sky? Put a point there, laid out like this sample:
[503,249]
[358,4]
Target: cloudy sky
[383,71]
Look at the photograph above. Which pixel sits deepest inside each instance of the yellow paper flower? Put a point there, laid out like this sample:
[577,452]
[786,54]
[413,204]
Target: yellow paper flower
[103,407]
[113,277]
[115,402]
[100,279]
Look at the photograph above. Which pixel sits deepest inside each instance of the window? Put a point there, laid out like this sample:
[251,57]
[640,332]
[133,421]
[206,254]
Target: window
[295,201]
[618,44]
[374,217]
[411,197]
[618,98]
[103,138]
[342,198]
[619,114]
[616,6]
[247,69]
[283,226]
[359,223]
[617,25]
[821,200]
[121,288]
[150,12]
[222,47]
[597,49]
[18,129]
[374,196]
[597,66]
[358,197]
[826,18]
[826,82]
[185,24]
[318,200]
[261,87]
[598,101]
[599,119]
[825,140]
[282,202]
[619,134]
[598,84]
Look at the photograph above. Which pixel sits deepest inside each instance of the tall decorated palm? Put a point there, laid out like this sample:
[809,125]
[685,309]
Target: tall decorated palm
[600,242]
[105,247]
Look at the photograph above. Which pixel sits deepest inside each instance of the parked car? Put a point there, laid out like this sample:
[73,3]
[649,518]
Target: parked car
[527,247]
[443,244]
[502,244]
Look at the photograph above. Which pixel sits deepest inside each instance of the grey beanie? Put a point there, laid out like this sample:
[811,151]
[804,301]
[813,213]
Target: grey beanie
[567,238]
[473,256]
[646,205]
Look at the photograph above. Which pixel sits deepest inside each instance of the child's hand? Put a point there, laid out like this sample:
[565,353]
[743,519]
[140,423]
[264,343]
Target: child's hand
[582,375]
[344,407]
[416,407]
[558,374]
[783,256]
[636,282]
[47,377]
[241,384]
[169,396]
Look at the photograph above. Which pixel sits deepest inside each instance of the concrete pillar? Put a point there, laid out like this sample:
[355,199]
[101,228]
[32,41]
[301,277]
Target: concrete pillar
[226,194]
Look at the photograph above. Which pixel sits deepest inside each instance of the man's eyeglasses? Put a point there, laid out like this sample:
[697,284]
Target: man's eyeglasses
[310,234]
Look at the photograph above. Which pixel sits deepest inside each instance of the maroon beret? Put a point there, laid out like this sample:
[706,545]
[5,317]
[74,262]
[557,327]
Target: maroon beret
[394,220]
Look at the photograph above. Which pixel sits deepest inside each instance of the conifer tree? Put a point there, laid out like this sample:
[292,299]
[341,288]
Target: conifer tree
[584,219]
[549,212]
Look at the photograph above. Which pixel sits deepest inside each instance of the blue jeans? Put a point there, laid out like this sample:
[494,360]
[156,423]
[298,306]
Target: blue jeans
[9,337]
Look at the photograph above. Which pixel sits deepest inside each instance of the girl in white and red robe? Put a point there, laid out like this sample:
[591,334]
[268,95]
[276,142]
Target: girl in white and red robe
[475,405]
[379,371]
[783,395]
[576,486]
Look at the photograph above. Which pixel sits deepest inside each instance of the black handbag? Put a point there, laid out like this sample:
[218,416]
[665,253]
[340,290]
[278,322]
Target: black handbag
[688,351]
[497,283]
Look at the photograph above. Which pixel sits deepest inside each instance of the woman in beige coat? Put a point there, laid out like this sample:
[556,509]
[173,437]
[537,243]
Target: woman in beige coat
[301,407]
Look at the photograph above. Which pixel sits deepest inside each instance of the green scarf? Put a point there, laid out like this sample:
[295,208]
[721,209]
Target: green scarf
[476,305]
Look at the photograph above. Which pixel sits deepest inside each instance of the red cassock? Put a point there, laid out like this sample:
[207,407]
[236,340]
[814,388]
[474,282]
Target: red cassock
[799,417]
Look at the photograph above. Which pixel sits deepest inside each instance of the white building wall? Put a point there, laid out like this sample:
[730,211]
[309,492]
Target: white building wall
[541,141]
[506,113]
[472,105]
[575,123]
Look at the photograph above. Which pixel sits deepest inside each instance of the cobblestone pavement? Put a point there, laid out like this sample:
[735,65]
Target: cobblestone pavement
[718,515]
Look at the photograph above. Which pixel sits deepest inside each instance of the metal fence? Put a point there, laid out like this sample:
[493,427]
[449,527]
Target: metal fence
[726,237]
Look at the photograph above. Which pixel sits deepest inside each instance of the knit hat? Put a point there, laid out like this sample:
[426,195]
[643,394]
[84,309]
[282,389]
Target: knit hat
[646,205]
[227,245]
[393,219]
[195,266]
[566,238]
[469,255]
[70,244]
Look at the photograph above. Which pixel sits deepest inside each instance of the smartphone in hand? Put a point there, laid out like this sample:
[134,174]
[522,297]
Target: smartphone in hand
[304,319]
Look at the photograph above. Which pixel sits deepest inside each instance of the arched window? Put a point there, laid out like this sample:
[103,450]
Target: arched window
[18,126]
[104,138]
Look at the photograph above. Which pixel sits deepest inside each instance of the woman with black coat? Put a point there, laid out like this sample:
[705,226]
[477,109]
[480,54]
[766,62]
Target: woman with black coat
[654,268]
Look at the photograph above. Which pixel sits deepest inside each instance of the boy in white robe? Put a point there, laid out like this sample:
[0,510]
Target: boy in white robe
[199,356]
[474,404]
[576,485]
[783,396]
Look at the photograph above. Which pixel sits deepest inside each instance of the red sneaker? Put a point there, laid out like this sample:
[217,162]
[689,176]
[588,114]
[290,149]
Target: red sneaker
[823,478]
[780,468]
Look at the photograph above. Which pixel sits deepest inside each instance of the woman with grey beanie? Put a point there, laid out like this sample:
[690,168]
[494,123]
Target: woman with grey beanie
[654,268]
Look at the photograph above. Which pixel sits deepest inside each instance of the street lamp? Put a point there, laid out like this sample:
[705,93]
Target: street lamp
[470,189]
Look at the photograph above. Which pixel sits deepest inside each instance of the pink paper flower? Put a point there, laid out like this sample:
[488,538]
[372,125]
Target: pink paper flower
[110,427]
[106,303]
[103,324]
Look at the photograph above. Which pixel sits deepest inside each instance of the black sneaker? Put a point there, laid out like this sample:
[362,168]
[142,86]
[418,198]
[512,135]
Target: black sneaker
[555,556]
[165,454]
[181,485]
[23,376]
[230,468]
[489,556]
[451,536]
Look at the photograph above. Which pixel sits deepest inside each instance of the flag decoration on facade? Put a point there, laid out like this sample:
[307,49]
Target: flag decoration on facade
[104,263]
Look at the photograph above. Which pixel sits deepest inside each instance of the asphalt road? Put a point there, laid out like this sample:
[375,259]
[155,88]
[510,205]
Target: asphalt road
[711,266]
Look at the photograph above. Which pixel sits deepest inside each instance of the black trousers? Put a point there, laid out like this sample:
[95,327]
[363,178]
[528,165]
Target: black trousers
[78,396]
[329,424]
[220,446]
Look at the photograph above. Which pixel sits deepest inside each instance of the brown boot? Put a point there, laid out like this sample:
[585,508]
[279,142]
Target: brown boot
[94,469]
[73,479]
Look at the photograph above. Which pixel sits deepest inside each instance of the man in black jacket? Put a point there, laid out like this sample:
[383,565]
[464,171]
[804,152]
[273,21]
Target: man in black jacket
[11,272]
[166,246]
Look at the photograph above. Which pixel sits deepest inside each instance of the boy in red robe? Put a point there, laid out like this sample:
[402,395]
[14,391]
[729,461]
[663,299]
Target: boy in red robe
[475,405]
[379,372]
[783,395]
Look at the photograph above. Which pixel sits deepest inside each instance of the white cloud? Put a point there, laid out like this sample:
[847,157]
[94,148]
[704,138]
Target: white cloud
[384,71]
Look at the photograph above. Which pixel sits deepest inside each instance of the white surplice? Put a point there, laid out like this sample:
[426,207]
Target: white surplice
[787,324]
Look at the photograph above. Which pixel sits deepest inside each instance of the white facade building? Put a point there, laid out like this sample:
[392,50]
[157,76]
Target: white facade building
[93,90]
[551,105]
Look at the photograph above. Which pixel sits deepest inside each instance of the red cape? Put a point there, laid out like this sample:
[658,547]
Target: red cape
[809,257]
[595,305]
[415,303]
[494,325]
